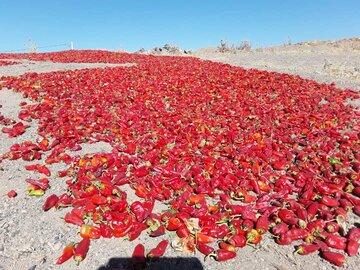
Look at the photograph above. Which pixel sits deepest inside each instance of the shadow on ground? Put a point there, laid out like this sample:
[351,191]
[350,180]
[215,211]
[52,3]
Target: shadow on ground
[178,263]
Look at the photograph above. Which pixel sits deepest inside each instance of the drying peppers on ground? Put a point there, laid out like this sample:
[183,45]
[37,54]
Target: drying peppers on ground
[233,154]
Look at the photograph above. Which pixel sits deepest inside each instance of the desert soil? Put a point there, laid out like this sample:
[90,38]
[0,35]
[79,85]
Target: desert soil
[33,239]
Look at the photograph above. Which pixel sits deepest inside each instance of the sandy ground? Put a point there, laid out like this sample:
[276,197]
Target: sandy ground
[322,61]
[32,239]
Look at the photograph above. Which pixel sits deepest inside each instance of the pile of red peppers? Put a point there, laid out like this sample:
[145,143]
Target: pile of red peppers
[234,154]
[7,63]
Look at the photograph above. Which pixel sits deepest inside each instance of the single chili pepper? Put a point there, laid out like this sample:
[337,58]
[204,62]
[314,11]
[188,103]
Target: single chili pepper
[141,191]
[12,194]
[237,240]
[64,201]
[302,214]
[332,227]
[352,247]
[81,250]
[138,209]
[72,218]
[356,210]
[121,231]
[173,223]
[39,168]
[68,252]
[105,230]
[221,255]
[203,238]
[158,232]
[253,237]
[262,225]
[227,246]
[98,199]
[204,249]
[280,228]
[312,210]
[334,257]
[158,251]
[336,241]
[354,234]
[183,231]
[305,249]
[41,183]
[138,257]
[236,209]
[351,198]
[247,225]
[89,231]
[297,233]
[329,201]
[50,202]
[136,230]
[287,216]
[284,239]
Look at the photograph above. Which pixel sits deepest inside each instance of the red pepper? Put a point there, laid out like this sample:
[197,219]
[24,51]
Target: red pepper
[68,252]
[158,251]
[89,231]
[50,202]
[81,250]
[354,234]
[227,246]
[138,209]
[332,227]
[312,210]
[287,216]
[141,191]
[39,168]
[121,231]
[284,239]
[262,225]
[138,257]
[329,201]
[280,228]
[12,194]
[64,201]
[141,171]
[204,249]
[203,238]
[173,223]
[221,255]
[304,249]
[73,219]
[43,183]
[297,234]
[98,199]
[158,232]
[183,231]
[352,247]
[105,230]
[253,237]
[336,241]
[136,230]
[237,240]
[334,257]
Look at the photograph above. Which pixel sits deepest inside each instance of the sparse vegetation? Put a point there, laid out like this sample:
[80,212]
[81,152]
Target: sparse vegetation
[245,45]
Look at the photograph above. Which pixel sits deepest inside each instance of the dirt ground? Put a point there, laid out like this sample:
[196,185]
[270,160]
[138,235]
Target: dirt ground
[33,239]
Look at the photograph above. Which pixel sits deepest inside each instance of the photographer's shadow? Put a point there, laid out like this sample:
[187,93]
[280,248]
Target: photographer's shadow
[178,263]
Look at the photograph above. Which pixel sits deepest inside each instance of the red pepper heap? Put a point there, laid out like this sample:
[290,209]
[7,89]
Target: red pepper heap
[235,153]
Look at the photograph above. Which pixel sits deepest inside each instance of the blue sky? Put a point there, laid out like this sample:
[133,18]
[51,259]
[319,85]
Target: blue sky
[130,25]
